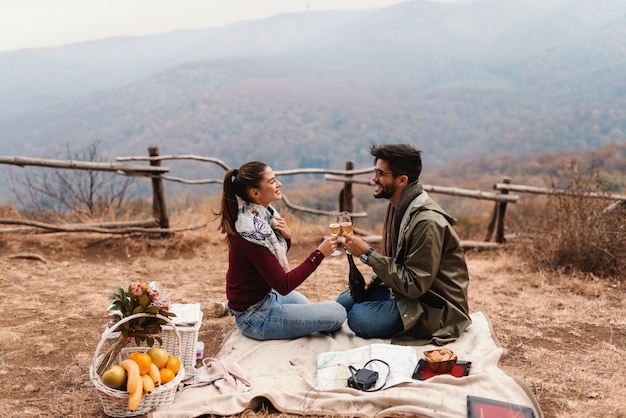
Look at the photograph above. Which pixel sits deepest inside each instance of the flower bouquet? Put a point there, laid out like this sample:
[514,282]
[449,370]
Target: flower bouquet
[146,298]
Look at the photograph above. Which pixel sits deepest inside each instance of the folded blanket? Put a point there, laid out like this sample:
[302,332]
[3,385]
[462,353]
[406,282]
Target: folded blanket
[226,376]
[285,374]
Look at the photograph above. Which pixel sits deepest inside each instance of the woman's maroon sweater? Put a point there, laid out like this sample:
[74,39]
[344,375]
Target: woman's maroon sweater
[253,271]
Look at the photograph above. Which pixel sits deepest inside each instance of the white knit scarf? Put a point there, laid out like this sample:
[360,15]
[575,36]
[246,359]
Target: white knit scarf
[256,224]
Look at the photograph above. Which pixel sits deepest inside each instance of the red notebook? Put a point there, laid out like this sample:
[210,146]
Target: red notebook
[489,408]
[423,371]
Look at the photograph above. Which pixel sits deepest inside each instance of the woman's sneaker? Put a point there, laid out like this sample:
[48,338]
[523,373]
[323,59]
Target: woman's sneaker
[220,309]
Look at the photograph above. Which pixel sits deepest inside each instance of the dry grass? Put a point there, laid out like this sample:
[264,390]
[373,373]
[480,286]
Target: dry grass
[564,336]
[573,232]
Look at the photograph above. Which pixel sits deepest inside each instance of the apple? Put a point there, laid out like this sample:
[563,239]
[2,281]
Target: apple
[159,356]
[114,377]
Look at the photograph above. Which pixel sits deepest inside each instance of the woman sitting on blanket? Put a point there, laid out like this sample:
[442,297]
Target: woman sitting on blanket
[259,284]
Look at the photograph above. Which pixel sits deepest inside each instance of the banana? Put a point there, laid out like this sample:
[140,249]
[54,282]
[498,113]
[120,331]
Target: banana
[134,398]
[148,383]
[134,378]
[155,374]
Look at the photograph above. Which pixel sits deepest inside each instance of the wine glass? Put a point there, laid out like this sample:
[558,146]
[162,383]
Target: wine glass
[334,223]
[346,222]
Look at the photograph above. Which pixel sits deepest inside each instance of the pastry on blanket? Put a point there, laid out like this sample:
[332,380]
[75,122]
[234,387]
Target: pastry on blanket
[442,354]
[441,360]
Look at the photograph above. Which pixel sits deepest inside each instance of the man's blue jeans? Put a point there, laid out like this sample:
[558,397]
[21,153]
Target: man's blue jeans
[278,317]
[378,317]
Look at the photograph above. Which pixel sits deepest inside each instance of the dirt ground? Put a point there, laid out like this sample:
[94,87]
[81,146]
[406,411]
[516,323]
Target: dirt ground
[564,337]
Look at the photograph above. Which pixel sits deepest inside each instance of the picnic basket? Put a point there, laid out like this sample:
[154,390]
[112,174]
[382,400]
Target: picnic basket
[174,336]
[115,401]
[186,337]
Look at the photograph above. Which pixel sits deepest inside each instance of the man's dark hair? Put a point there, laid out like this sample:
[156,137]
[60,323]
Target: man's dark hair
[403,159]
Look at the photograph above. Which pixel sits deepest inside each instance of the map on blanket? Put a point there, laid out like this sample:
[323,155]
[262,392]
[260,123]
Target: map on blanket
[333,371]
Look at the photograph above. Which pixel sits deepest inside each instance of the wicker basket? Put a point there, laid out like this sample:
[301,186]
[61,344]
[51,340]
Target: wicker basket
[114,401]
[187,338]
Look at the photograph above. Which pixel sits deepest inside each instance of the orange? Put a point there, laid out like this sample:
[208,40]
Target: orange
[167,375]
[143,360]
[173,363]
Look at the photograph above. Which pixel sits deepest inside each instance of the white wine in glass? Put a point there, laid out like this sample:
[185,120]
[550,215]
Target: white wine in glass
[346,222]
[334,223]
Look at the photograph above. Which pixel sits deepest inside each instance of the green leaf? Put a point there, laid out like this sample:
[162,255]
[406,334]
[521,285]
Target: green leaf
[145,300]
[152,310]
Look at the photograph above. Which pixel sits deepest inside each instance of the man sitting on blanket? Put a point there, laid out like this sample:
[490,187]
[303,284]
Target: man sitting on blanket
[418,292]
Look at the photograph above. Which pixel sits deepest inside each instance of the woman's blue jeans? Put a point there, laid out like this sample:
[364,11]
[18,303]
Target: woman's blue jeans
[278,317]
[378,317]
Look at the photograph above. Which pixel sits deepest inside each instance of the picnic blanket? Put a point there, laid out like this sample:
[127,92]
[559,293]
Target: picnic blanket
[293,377]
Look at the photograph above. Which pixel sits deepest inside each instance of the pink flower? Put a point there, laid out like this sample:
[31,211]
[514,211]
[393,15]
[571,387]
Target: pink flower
[137,289]
[154,295]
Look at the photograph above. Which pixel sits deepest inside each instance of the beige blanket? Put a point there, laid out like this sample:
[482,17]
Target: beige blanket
[285,374]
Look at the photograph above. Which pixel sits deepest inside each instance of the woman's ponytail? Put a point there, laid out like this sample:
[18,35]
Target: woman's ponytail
[229,205]
[236,184]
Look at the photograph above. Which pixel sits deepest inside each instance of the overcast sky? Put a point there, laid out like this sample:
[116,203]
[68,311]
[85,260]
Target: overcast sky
[40,23]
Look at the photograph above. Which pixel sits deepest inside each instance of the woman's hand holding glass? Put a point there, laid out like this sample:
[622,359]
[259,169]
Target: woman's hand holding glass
[334,223]
[329,245]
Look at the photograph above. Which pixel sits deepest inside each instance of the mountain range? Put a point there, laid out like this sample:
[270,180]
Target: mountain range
[481,79]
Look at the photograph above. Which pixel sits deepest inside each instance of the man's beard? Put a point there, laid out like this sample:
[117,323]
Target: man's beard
[386,192]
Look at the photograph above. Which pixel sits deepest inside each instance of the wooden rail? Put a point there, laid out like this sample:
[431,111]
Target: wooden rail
[85,165]
[157,174]
[154,171]
[452,191]
[348,177]
[547,191]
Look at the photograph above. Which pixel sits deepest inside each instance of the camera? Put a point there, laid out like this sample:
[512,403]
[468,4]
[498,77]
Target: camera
[362,379]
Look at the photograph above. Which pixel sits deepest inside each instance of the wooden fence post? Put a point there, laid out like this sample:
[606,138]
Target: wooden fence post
[159,207]
[501,212]
[346,196]
[497,218]
[492,223]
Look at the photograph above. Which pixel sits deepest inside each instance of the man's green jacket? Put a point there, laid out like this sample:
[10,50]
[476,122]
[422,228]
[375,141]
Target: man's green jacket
[428,275]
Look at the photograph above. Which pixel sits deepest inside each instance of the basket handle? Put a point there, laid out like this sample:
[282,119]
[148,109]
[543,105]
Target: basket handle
[110,330]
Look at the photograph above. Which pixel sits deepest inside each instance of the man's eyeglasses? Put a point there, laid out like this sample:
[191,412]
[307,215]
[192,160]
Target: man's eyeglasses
[379,173]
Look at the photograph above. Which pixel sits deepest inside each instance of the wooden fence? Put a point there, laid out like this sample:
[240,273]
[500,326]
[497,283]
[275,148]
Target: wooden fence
[160,222]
